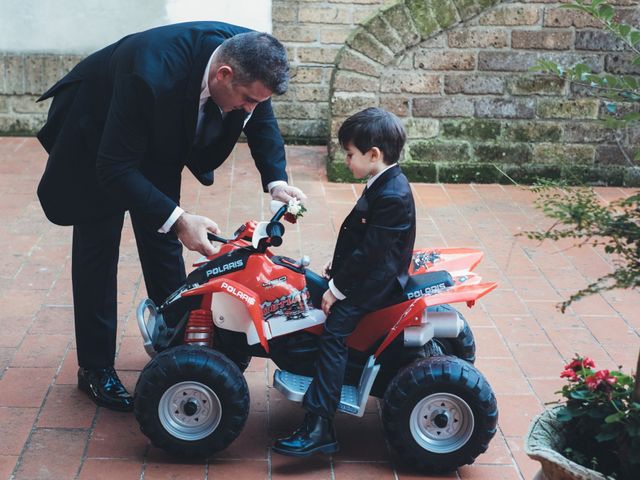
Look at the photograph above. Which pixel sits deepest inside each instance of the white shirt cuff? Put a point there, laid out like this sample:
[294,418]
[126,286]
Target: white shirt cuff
[337,293]
[275,183]
[166,227]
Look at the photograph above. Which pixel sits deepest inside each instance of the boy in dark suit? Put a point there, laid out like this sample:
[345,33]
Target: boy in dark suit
[370,264]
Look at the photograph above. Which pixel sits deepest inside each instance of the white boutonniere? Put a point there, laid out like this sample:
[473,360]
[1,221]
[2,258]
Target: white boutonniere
[295,210]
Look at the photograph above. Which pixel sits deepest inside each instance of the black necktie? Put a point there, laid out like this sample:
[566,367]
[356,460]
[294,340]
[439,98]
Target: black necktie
[210,125]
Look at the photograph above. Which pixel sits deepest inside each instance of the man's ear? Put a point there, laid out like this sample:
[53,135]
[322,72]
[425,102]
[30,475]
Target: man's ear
[224,73]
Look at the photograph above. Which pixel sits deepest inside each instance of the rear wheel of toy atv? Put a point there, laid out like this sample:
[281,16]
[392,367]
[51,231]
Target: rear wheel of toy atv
[464,345]
[191,401]
[439,413]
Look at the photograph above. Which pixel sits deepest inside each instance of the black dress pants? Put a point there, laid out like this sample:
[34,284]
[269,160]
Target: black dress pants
[94,270]
[323,395]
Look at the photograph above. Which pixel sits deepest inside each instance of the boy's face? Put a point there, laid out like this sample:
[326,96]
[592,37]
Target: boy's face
[363,165]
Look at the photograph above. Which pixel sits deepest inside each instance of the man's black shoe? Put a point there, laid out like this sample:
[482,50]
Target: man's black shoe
[105,388]
[315,435]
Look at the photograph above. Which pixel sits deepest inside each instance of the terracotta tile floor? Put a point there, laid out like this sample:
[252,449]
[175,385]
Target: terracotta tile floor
[48,430]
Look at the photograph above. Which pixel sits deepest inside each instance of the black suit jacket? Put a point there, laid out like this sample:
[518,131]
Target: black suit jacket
[371,259]
[122,123]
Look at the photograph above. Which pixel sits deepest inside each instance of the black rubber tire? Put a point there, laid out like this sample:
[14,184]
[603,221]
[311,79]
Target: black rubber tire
[464,345]
[430,376]
[187,363]
[241,361]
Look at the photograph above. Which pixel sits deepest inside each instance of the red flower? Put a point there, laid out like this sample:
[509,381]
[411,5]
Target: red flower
[580,363]
[601,378]
[290,217]
[570,374]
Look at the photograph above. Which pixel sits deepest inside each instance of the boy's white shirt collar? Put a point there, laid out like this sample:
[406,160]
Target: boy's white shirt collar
[377,175]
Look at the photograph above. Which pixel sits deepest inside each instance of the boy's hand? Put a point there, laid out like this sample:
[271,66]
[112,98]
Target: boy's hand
[326,270]
[328,299]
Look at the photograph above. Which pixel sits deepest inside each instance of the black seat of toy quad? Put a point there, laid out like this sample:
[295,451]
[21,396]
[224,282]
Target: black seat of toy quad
[427,284]
[317,285]
[417,286]
[424,284]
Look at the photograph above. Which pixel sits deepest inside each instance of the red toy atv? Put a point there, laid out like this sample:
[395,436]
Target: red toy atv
[416,354]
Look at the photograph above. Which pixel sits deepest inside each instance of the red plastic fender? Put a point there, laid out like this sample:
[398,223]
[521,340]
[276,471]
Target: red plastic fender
[246,295]
[412,315]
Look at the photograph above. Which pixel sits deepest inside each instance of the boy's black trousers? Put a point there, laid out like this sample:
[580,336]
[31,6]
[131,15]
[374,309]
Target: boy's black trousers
[323,395]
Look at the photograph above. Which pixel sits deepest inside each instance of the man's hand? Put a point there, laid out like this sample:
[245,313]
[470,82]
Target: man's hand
[284,193]
[192,232]
[326,270]
[328,299]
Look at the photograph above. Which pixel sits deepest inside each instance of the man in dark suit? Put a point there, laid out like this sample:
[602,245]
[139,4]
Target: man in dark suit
[370,265]
[122,125]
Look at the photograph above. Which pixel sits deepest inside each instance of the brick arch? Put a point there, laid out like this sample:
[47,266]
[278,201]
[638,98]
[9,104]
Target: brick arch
[379,43]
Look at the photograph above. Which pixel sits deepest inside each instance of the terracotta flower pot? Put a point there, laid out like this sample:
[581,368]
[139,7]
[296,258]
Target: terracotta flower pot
[544,442]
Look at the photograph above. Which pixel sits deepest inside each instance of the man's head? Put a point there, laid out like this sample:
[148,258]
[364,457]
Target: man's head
[247,69]
[372,138]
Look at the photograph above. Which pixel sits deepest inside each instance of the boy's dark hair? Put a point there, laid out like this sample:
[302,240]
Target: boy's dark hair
[257,56]
[374,127]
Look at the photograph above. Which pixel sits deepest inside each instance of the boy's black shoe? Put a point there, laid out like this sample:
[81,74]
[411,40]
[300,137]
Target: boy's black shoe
[105,388]
[315,435]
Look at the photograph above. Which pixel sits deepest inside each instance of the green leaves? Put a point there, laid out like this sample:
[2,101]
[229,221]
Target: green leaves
[579,214]
[614,417]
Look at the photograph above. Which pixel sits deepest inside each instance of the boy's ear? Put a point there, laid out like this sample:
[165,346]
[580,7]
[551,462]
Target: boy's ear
[376,154]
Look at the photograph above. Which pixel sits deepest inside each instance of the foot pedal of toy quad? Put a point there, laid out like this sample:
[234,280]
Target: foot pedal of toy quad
[353,399]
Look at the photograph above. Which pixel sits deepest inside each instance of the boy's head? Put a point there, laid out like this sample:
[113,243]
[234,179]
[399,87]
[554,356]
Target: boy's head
[376,134]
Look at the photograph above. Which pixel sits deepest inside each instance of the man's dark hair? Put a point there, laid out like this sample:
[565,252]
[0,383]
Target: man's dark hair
[374,127]
[256,56]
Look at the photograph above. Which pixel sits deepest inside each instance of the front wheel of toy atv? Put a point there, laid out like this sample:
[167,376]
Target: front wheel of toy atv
[191,401]
[439,413]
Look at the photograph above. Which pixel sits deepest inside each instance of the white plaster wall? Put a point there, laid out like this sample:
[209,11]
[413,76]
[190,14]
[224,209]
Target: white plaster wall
[78,26]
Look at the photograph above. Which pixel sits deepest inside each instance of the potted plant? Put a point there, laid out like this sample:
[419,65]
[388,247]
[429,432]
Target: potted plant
[595,431]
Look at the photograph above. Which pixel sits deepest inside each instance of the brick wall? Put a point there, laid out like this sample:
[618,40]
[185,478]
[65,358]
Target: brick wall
[461,83]
[455,71]
[23,78]
[314,32]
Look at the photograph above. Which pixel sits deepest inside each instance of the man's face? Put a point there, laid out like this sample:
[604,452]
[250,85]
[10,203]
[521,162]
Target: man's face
[229,95]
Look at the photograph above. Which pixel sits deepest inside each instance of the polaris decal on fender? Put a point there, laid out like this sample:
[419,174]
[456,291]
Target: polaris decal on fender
[426,291]
[226,268]
[241,295]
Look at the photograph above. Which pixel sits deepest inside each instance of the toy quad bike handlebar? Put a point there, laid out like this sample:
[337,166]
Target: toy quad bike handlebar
[274,229]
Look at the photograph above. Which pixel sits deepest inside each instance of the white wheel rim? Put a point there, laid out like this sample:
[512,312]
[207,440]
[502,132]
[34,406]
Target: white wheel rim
[441,423]
[189,411]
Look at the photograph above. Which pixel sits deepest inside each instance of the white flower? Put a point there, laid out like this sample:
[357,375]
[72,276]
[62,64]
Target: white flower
[294,206]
